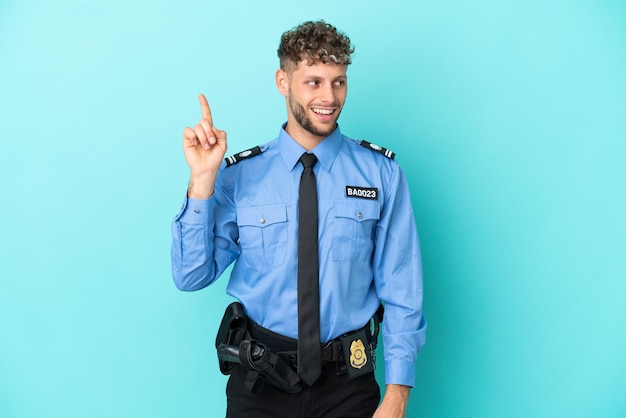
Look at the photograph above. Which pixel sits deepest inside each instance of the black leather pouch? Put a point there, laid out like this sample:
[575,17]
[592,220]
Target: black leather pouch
[357,352]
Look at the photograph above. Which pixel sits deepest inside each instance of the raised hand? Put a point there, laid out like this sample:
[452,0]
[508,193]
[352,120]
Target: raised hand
[204,147]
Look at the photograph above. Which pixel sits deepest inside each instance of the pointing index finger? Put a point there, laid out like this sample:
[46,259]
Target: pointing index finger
[206,110]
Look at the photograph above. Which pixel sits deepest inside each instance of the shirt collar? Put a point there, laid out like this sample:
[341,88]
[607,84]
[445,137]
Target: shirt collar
[326,151]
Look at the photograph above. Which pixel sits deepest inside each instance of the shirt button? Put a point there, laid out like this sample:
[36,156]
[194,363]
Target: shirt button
[262,220]
[196,210]
[359,215]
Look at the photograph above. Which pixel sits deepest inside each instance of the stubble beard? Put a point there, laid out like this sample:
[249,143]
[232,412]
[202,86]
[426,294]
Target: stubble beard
[300,115]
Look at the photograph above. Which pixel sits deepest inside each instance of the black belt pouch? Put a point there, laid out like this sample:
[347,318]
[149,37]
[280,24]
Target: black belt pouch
[356,350]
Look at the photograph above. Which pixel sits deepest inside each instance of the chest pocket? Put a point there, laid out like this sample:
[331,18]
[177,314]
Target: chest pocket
[263,235]
[354,225]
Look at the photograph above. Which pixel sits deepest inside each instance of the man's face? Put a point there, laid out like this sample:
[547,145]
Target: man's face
[315,96]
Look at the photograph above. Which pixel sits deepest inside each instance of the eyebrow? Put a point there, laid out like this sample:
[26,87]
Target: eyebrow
[318,77]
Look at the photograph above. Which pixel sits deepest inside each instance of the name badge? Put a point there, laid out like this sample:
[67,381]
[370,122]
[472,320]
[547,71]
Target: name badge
[370,193]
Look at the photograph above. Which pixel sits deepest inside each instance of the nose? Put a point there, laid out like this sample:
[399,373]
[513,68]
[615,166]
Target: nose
[327,94]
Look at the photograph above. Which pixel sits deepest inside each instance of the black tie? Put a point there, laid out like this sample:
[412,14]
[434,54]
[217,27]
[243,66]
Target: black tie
[309,348]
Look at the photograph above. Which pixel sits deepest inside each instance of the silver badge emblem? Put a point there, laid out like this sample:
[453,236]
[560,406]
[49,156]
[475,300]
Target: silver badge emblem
[245,154]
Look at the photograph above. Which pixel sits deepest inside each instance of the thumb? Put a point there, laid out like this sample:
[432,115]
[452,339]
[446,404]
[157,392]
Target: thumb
[220,135]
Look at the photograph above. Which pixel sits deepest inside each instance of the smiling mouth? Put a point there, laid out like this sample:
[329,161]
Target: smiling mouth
[322,111]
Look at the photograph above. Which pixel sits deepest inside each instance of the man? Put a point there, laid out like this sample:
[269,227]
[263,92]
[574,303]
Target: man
[255,209]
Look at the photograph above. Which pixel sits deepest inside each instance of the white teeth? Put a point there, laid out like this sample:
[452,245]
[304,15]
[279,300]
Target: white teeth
[323,111]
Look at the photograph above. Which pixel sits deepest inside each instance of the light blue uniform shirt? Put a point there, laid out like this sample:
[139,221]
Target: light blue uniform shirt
[368,244]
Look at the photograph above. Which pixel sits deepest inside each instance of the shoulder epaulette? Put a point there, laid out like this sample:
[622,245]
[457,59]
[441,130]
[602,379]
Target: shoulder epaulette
[233,159]
[387,153]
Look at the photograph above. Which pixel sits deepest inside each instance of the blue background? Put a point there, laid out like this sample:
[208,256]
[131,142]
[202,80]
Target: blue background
[509,119]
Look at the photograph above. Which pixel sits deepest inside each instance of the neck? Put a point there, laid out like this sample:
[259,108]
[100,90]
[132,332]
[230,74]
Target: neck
[303,137]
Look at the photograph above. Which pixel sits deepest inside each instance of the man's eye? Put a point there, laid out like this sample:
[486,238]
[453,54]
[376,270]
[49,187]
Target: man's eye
[340,83]
[313,83]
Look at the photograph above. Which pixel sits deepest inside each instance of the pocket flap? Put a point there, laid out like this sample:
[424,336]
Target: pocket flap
[262,216]
[357,210]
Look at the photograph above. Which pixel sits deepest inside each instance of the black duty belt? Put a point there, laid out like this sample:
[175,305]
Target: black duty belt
[272,357]
[332,351]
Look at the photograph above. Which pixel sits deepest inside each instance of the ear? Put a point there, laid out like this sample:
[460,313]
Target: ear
[282,82]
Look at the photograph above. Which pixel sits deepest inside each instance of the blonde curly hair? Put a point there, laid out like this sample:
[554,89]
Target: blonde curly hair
[314,42]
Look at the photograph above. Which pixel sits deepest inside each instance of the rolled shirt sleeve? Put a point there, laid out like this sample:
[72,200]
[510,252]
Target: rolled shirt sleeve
[398,281]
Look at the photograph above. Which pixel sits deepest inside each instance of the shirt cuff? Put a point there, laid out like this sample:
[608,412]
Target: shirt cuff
[400,372]
[196,211]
